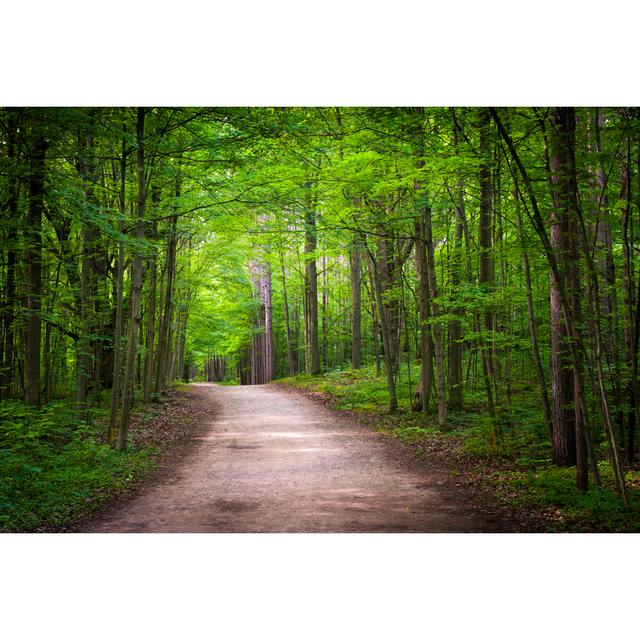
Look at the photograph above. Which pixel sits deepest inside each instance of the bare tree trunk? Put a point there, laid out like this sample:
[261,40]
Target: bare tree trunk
[388,358]
[312,348]
[630,341]
[437,329]
[325,313]
[387,274]
[33,254]
[85,358]
[8,346]
[119,275]
[564,430]
[162,365]
[136,293]
[290,361]
[147,379]
[356,316]
[423,391]
[262,353]
[486,275]
[375,331]
[455,329]
[48,381]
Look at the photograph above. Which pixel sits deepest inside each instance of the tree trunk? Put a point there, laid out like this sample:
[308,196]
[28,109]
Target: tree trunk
[162,364]
[88,328]
[435,311]
[8,346]
[33,254]
[388,358]
[562,385]
[630,347]
[136,292]
[312,347]
[423,391]
[455,329]
[119,295]
[292,370]
[151,314]
[262,353]
[486,272]
[356,316]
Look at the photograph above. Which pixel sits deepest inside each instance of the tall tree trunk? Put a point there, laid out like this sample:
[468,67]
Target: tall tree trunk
[162,364]
[292,370]
[423,391]
[312,347]
[356,315]
[8,346]
[119,295]
[136,292]
[385,330]
[325,312]
[262,352]
[149,341]
[33,254]
[85,358]
[435,310]
[564,425]
[455,328]
[630,346]
[486,275]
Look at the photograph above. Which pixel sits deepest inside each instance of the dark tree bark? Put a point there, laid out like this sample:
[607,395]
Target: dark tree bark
[90,238]
[562,384]
[164,337]
[291,364]
[8,346]
[262,352]
[136,291]
[33,258]
[149,341]
[423,390]
[119,295]
[455,327]
[486,271]
[312,346]
[356,315]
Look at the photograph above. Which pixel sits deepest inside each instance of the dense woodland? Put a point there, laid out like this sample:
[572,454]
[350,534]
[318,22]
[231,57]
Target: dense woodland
[473,257]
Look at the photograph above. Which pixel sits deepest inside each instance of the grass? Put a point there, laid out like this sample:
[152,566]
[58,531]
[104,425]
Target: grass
[516,464]
[55,469]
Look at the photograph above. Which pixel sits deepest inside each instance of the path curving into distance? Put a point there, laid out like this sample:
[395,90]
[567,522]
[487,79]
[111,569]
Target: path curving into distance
[276,461]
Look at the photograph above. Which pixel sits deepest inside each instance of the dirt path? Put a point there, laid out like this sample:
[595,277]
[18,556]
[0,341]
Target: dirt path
[277,461]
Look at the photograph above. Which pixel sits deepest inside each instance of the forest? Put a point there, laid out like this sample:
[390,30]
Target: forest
[463,271]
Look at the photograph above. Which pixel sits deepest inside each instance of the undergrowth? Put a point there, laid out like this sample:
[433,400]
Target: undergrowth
[55,469]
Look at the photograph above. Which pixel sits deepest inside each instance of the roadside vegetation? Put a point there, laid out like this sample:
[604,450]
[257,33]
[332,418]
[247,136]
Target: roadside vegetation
[56,470]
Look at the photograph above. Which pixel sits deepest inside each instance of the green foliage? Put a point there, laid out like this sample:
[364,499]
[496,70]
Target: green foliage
[53,469]
[598,509]
[350,390]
